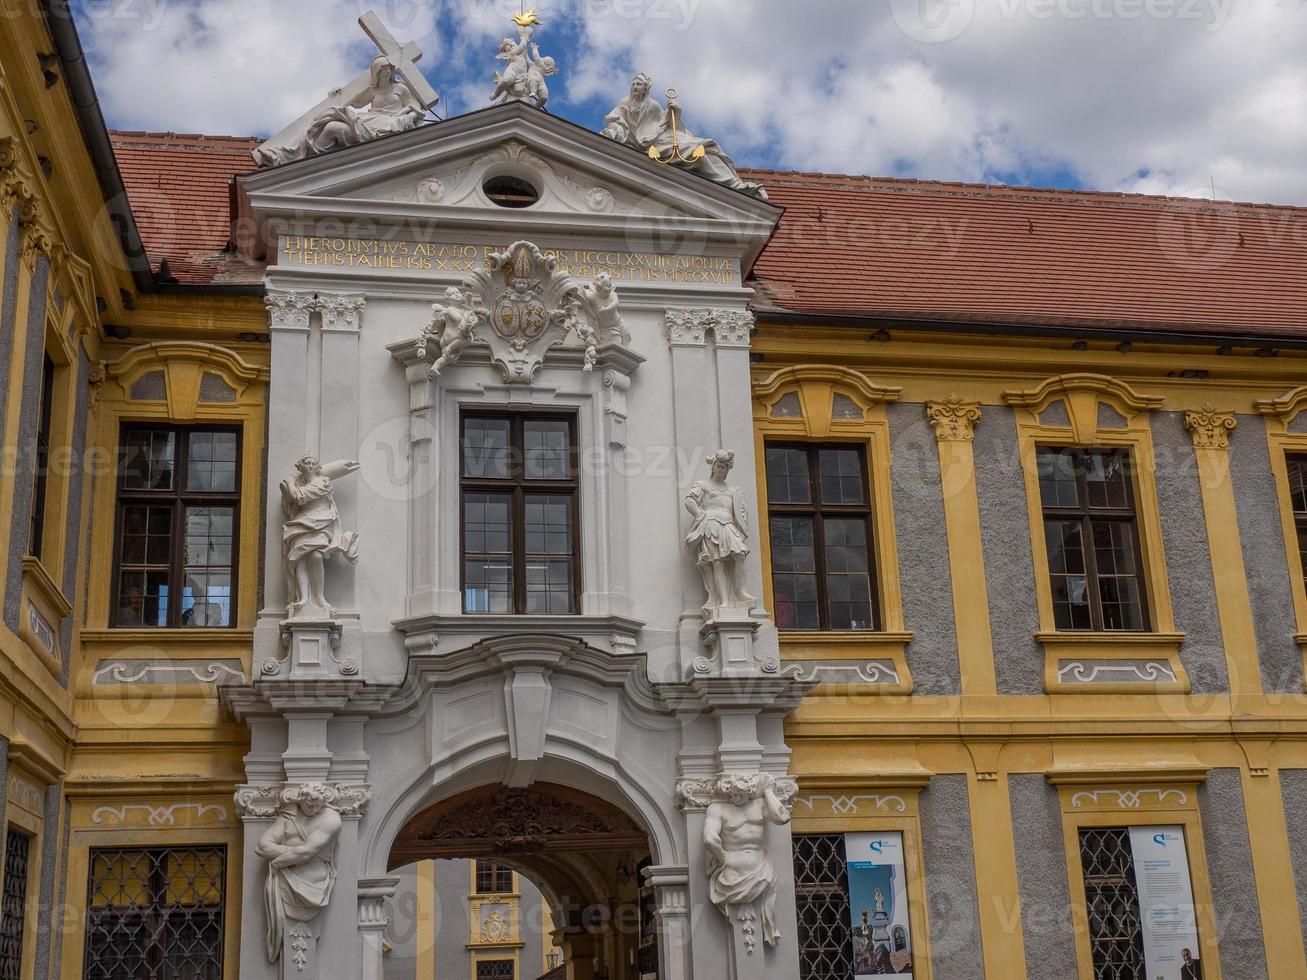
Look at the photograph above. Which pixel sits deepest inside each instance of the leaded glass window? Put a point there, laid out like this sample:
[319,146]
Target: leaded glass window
[1091,534]
[155,913]
[821,886]
[1116,940]
[495,970]
[13,908]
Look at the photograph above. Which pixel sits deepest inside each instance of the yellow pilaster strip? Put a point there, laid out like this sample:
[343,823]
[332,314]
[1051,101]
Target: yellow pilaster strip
[954,422]
[1268,836]
[426,920]
[1211,430]
[998,893]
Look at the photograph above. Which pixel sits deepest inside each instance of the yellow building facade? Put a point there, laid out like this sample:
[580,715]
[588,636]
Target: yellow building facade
[961,704]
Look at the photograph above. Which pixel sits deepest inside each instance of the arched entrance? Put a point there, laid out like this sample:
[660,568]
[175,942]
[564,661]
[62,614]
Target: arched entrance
[583,853]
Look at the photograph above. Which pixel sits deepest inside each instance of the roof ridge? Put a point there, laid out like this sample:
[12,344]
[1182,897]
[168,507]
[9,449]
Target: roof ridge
[169,135]
[819,178]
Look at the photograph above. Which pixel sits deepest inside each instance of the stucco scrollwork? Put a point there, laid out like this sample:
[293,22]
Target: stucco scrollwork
[953,419]
[739,807]
[1209,428]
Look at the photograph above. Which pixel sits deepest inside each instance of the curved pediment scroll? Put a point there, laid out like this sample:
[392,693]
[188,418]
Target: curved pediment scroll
[521,305]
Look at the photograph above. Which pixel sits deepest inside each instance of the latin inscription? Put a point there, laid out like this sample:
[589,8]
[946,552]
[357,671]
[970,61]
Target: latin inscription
[358,253]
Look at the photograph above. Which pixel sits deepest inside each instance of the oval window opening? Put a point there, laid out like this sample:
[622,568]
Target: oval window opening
[510,192]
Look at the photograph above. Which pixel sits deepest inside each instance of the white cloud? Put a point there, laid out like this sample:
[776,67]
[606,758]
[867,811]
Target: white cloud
[1155,95]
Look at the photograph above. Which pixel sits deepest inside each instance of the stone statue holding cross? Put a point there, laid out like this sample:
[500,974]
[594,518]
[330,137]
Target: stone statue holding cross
[391,97]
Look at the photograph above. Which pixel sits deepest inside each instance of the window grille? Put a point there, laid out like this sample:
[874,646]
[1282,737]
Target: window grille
[821,887]
[1116,939]
[13,907]
[155,914]
[495,970]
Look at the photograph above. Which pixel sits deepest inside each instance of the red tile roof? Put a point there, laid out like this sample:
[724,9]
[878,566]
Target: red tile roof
[895,249]
[881,248]
[179,187]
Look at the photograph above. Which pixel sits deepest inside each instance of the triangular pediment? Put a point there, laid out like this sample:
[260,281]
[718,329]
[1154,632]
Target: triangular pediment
[586,183]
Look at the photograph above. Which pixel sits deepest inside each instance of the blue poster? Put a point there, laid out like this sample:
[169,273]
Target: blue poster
[878,906]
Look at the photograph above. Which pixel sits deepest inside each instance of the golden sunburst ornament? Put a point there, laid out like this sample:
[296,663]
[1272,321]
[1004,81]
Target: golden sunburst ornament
[528,18]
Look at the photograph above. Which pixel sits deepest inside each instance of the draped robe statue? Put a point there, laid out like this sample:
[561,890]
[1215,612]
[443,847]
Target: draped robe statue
[312,532]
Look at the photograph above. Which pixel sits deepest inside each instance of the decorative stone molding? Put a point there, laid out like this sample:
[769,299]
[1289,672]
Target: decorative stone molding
[340,312]
[881,672]
[953,419]
[851,805]
[1130,799]
[1209,428]
[352,799]
[1285,408]
[258,802]
[689,327]
[700,792]
[1115,671]
[161,815]
[171,672]
[1083,394]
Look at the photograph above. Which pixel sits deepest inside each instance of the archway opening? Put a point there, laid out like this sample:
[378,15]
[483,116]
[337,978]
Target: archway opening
[520,884]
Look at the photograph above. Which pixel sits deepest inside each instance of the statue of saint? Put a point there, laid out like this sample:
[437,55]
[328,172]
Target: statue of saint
[388,106]
[300,848]
[718,537]
[740,870]
[451,326]
[312,532]
[640,122]
[636,119]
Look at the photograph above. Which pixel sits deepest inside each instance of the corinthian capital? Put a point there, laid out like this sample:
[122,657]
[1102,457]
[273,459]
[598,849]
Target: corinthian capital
[953,419]
[289,309]
[689,327]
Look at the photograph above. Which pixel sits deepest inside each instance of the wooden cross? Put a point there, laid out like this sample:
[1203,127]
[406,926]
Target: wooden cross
[403,58]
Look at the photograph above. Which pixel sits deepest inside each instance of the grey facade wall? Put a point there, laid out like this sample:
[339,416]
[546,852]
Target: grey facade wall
[8,312]
[1188,556]
[948,850]
[48,907]
[923,552]
[401,933]
[1042,878]
[25,459]
[453,919]
[1293,787]
[1009,566]
[1265,561]
[1229,863]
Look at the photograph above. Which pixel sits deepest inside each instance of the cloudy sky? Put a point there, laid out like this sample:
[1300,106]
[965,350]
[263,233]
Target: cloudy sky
[1160,96]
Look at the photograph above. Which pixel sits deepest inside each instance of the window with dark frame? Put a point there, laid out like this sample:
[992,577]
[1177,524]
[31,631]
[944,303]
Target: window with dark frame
[1297,465]
[493,879]
[819,516]
[41,480]
[178,516]
[155,912]
[519,488]
[13,908]
[1092,537]
[1116,939]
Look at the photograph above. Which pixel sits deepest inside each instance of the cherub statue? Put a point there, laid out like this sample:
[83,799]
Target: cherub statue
[451,326]
[719,537]
[300,848]
[524,78]
[313,533]
[604,303]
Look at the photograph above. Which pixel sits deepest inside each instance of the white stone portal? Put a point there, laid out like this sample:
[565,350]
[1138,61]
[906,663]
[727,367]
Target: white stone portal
[615,301]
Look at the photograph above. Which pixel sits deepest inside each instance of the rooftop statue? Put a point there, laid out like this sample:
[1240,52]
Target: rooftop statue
[524,78]
[392,96]
[640,122]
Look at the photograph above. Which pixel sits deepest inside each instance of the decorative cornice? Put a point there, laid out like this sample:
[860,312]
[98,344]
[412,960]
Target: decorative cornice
[1209,428]
[1065,384]
[689,327]
[953,419]
[1285,407]
[837,377]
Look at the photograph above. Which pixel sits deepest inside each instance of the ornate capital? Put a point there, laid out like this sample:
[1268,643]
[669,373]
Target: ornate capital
[689,327]
[1209,428]
[340,312]
[289,309]
[700,792]
[953,419]
[266,801]
[258,802]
